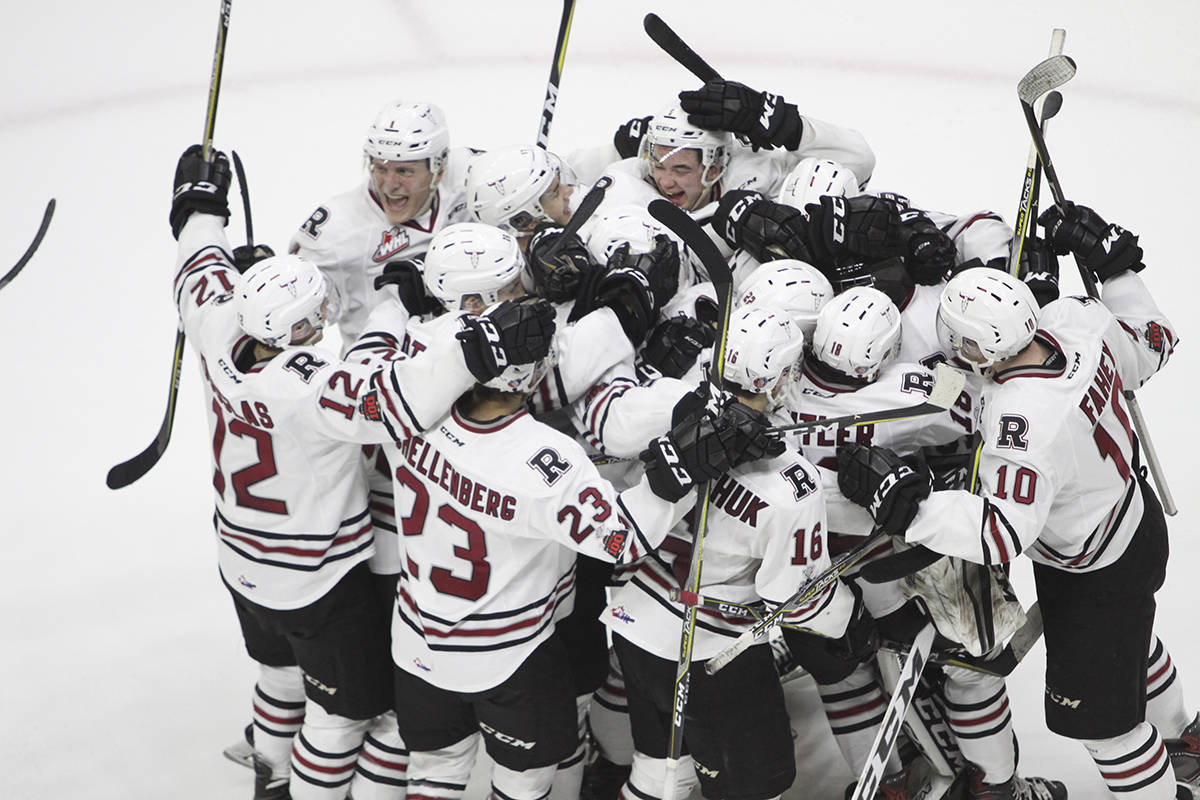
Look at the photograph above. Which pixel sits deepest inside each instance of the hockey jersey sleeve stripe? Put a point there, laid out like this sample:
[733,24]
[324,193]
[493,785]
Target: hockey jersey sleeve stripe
[634,552]
[599,408]
[378,383]
[999,540]
[1104,534]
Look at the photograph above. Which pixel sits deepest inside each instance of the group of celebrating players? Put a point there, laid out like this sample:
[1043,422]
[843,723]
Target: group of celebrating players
[472,523]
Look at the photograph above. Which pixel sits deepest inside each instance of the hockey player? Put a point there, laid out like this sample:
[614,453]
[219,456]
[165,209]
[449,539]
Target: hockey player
[291,519]
[1062,481]
[495,507]
[413,187]
[517,188]
[854,368]
[766,537]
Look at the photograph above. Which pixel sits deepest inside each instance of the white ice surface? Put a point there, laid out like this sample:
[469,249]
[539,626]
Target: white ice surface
[121,669]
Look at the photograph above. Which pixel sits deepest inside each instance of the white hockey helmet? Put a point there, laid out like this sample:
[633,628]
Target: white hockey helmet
[670,128]
[813,178]
[858,333]
[795,286]
[985,316]
[280,301]
[470,258]
[764,351]
[523,378]
[409,132]
[505,186]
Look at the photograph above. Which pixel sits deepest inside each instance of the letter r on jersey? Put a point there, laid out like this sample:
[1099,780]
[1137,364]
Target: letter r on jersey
[1013,431]
[550,464]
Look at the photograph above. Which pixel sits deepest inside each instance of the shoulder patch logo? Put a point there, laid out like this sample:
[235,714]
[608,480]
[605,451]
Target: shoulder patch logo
[1154,336]
[393,241]
[1014,430]
[369,406]
[550,464]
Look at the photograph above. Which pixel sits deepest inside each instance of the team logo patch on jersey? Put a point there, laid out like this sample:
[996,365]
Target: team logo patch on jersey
[1154,336]
[244,581]
[421,665]
[1014,430]
[549,464]
[614,543]
[393,241]
[369,406]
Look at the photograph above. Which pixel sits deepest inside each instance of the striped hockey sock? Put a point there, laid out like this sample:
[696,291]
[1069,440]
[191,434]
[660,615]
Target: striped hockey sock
[278,711]
[854,707]
[381,772]
[1134,765]
[978,712]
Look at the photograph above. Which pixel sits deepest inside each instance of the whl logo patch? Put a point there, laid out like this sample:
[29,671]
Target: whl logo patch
[393,241]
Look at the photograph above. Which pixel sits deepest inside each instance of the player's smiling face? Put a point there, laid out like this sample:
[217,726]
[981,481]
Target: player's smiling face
[678,176]
[402,187]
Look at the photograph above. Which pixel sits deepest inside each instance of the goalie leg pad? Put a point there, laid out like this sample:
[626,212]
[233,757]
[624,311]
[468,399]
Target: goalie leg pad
[967,602]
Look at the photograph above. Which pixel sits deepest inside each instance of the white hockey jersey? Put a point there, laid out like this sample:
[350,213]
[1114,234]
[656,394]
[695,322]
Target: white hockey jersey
[351,240]
[291,499]
[492,515]
[766,537]
[1060,457]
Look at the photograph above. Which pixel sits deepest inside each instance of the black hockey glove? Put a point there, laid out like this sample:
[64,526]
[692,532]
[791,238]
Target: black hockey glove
[1039,269]
[1105,249]
[762,119]
[406,276]
[931,252]
[883,483]
[248,255]
[745,220]
[514,332]
[626,290]
[673,348]
[628,138]
[703,446]
[863,227]
[660,266]
[890,276]
[199,186]
[557,276]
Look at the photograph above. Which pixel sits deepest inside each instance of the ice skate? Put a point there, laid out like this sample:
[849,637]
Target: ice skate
[1015,788]
[242,752]
[266,785]
[1185,760]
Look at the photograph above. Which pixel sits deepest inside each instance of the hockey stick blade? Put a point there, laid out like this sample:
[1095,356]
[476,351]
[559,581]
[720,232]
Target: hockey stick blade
[33,246]
[1048,75]
[677,49]
[947,386]
[129,471]
[885,739]
[244,189]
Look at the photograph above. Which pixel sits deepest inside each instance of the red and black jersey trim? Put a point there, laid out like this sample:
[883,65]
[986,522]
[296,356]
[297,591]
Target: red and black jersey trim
[640,545]
[997,536]
[474,426]
[257,545]
[406,432]
[1053,367]
[1098,540]
[536,614]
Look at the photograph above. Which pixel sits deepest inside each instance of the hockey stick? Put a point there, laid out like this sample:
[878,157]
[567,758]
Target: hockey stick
[33,246]
[721,276]
[947,386]
[806,592]
[560,54]
[1045,108]
[893,718]
[244,189]
[1029,88]
[129,471]
[677,49]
